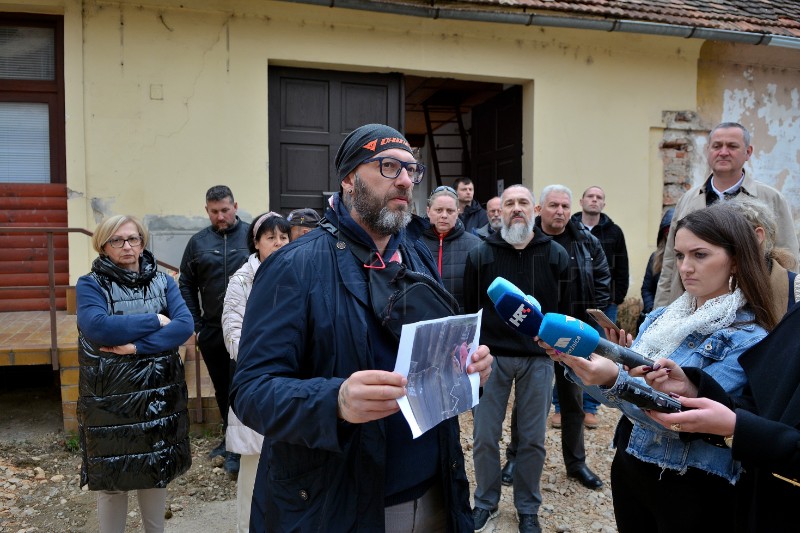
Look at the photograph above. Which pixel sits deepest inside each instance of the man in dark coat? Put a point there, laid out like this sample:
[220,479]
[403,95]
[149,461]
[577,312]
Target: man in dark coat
[494,212]
[612,238]
[470,211]
[211,256]
[314,374]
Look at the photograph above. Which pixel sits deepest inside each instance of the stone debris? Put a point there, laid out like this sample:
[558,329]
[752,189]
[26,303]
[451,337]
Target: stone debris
[41,492]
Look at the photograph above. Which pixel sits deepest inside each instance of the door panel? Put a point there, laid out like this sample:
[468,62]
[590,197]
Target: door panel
[497,143]
[310,113]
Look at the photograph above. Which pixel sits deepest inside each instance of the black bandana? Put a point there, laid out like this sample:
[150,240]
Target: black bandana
[364,143]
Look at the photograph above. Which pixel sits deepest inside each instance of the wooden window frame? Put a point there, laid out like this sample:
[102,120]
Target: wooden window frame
[39,91]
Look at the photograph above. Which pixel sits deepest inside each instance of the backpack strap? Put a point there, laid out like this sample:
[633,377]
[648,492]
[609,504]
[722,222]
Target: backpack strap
[369,258]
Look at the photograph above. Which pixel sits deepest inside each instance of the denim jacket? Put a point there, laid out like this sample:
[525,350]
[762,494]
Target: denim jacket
[717,354]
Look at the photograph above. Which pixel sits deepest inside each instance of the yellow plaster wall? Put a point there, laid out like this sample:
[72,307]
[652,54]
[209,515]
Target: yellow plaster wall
[164,101]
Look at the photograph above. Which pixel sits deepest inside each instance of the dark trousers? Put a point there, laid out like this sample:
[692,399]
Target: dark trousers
[649,499]
[218,362]
[571,399]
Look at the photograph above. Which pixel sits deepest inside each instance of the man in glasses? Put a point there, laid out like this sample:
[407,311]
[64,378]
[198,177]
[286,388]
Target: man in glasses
[315,376]
[469,210]
[495,212]
[211,256]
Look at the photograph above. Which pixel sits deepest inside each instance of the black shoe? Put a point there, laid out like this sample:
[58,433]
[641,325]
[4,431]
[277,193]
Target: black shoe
[482,516]
[529,523]
[587,478]
[231,465]
[507,477]
[219,450]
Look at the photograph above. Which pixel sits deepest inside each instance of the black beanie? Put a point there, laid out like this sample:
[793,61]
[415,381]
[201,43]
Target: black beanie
[365,142]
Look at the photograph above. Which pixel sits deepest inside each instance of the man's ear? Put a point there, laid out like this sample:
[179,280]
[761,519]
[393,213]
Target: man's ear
[537,209]
[347,182]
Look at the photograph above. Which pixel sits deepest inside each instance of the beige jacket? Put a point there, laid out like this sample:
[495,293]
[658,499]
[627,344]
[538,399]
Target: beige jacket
[669,283]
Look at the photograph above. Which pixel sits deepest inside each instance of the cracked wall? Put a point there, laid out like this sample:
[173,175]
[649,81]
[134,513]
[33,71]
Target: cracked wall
[758,87]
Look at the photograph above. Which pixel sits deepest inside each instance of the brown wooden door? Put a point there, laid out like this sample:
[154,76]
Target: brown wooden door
[497,143]
[310,113]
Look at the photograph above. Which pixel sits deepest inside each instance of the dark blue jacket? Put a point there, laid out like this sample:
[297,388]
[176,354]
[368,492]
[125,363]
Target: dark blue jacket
[451,250]
[307,328]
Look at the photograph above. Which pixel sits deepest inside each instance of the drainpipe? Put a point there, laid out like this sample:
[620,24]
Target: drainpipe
[531,19]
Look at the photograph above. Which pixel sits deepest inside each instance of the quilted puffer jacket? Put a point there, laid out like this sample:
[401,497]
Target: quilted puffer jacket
[132,416]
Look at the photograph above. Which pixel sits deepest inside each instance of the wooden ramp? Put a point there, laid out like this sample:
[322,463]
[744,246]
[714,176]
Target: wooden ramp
[25,340]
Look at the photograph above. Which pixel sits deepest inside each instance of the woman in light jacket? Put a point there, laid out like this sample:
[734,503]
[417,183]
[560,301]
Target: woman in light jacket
[132,416]
[659,481]
[268,233]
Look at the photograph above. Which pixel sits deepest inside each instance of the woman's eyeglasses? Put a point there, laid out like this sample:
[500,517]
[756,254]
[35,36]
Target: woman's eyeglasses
[391,168]
[119,242]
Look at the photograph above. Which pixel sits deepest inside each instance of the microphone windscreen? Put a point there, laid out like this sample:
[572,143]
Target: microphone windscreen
[501,286]
[519,313]
[569,335]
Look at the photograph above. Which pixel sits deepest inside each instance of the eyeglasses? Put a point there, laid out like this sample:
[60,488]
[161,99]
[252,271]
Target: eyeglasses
[391,167]
[119,242]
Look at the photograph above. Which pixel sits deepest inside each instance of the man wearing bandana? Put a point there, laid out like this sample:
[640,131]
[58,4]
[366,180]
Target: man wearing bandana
[315,367]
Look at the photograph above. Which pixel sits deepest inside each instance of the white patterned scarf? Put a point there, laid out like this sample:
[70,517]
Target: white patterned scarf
[680,319]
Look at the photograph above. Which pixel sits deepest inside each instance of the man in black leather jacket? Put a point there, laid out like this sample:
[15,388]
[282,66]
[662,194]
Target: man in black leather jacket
[211,256]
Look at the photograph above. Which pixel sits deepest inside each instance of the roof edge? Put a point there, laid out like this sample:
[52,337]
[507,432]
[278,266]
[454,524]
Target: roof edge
[533,19]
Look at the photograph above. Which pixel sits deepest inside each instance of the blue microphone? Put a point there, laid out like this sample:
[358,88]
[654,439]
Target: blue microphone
[518,310]
[575,337]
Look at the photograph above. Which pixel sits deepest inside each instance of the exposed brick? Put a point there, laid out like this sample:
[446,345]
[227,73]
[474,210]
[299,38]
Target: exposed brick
[69,376]
[69,409]
[69,393]
[70,425]
[68,357]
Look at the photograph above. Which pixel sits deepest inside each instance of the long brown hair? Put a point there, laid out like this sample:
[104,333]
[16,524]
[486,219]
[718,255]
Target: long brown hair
[724,227]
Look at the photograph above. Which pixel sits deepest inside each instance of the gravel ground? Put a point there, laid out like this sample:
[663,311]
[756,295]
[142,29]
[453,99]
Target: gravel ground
[39,489]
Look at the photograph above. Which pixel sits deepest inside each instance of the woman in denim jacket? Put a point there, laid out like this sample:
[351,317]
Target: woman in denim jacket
[659,481]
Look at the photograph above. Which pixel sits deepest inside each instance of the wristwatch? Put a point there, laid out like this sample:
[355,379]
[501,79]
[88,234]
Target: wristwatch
[728,441]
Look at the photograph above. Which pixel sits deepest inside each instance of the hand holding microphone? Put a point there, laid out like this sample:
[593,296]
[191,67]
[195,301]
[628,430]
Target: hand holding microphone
[564,333]
[575,337]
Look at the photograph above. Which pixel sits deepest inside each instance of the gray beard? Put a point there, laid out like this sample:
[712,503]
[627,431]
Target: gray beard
[496,225]
[381,220]
[516,233]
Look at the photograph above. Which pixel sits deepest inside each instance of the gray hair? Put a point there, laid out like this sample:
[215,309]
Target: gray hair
[726,125]
[758,215]
[516,186]
[554,188]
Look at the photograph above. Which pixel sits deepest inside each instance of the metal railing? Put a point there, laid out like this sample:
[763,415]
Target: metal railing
[51,277]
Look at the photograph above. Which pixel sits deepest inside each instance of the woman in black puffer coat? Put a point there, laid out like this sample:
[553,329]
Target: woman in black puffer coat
[447,240]
[132,416]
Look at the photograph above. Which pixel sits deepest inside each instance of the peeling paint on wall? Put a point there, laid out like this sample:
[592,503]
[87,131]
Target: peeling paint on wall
[759,89]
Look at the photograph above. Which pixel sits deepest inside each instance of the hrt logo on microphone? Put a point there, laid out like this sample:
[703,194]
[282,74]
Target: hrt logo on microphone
[519,315]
